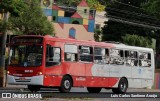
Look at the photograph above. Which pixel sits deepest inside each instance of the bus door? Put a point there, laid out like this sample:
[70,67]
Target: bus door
[52,70]
[145,70]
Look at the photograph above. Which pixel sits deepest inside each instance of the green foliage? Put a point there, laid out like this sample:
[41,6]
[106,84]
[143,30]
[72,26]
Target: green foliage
[97,35]
[31,20]
[13,6]
[3,25]
[153,7]
[68,2]
[136,40]
[124,9]
[94,4]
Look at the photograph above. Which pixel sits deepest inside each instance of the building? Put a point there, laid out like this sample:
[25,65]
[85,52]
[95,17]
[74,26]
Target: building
[70,22]
[100,18]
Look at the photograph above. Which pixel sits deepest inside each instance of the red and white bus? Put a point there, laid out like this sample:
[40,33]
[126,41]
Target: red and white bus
[45,61]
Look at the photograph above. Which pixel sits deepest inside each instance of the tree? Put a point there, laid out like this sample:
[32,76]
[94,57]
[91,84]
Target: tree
[97,35]
[93,4]
[26,17]
[31,20]
[133,17]
[121,14]
[153,8]
[136,40]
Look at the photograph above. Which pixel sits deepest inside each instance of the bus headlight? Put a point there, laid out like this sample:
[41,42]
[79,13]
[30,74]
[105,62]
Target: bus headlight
[8,72]
[39,73]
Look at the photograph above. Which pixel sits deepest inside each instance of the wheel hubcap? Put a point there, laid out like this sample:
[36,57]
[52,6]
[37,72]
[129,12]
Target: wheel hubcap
[66,84]
[123,86]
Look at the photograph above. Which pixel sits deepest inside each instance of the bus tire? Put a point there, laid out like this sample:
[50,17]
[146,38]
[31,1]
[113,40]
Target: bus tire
[94,89]
[33,88]
[122,87]
[66,84]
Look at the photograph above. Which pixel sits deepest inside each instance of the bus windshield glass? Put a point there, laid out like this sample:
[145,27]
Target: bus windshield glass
[26,55]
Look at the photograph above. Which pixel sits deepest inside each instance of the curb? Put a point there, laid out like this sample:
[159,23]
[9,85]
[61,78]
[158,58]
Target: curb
[11,88]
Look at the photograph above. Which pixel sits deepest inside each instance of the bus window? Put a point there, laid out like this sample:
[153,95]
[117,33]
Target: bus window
[131,58]
[144,59]
[116,56]
[26,55]
[71,53]
[85,54]
[52,56]
[101,55]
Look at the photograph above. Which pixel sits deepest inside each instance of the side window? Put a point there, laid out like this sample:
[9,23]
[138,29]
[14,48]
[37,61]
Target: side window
[52,56]
[101,55]
[144,59]
[116,56]
[71,53]
[131,58]
[85,54]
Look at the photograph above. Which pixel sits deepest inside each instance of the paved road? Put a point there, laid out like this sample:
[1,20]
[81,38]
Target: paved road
[105,95]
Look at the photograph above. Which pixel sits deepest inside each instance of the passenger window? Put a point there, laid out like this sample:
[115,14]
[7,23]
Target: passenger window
[71,53]
[131,58]
[144,59]
[101,55]
[85,54]
[116,56]
[52,56]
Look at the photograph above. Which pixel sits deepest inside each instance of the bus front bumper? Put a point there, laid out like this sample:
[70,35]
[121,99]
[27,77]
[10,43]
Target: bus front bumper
[34,80]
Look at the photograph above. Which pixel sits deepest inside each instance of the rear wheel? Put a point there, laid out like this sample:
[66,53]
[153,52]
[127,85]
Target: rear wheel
[66,84]
[93,89]
[122,86]
[33,88]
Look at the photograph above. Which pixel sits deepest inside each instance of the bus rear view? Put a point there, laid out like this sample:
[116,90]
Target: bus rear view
[25,62]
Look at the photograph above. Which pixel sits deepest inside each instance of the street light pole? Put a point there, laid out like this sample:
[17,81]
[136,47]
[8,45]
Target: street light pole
[2,52]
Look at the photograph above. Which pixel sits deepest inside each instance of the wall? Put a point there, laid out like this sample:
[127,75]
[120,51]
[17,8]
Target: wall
[157,80]
[81,32]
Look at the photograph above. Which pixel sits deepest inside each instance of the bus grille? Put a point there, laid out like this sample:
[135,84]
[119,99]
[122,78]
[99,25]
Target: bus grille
[27,80]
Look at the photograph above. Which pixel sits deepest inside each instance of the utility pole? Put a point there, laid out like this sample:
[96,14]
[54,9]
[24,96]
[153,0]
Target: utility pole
[2,52]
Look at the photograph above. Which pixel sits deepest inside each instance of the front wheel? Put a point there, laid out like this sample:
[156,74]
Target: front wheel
[93,89]
[122,86]
[66,84]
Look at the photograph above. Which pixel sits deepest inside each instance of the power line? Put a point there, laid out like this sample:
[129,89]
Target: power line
[122,20]
[128,5]
[133,13]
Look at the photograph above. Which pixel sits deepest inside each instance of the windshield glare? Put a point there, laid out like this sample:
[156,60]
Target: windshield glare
[26,55]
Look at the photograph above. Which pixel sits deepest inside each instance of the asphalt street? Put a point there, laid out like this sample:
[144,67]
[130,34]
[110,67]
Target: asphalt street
[80,94]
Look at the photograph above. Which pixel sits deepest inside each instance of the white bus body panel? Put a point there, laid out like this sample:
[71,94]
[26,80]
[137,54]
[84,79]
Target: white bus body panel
[138,77]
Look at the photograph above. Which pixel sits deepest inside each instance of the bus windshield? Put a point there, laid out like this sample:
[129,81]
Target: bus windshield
[26,55]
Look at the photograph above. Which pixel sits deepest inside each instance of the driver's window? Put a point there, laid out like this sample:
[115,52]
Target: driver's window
[52,56]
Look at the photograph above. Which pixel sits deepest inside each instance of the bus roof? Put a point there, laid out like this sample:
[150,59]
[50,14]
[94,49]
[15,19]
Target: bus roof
[92,43]
[115,45]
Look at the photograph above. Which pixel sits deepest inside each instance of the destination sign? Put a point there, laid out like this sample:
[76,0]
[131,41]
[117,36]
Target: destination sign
[37,40]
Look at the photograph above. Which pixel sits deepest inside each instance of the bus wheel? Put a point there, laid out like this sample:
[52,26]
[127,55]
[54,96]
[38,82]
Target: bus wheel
[66,84]
[93,89]
[33,88]
[122,87]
